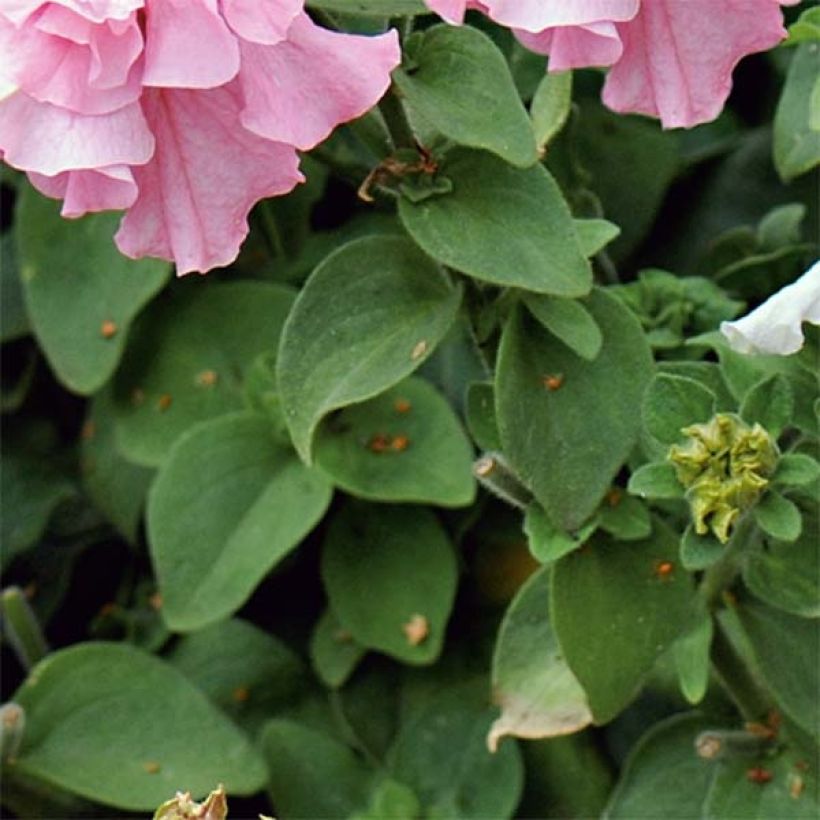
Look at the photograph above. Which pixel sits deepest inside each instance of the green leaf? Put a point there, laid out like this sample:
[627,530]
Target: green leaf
[561,438]
[481,416]
[501,224]
[796,470]
[656,480]
[790,794]
[333,652]
[664,777]
[187,361]
[116,486]
[796,137]
[625,518]
[674,402]
[806,29]
[368,316]
[471,783]
[404,445]
[550,106]
[778,517]
[31,489]
[595,234]
[228,504]
[459,81]
[569,321]
[391,572]
[81,292]
[691,651]
[123,728]
[311,774]
[244,671]
[379,8]
[770,403]
[788,654]
[787,576]
[699,551]
[615,611]
[538,694]
[546,541]
[391,799]
[14,321]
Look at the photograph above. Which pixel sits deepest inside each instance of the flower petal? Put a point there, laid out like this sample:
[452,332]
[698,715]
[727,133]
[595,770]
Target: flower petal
[206,174]
[299,90]
[39,137]
[261,21]
[596,44]
[82,192]
[188,45]
[678,57]
[774,328]
[537,15]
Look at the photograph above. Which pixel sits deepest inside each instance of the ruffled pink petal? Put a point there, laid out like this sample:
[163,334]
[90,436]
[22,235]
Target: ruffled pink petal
[452,11]
[82,192]
[678,57]
[299,90]
[261,21]
[97,11]
[596,44]
[537,15]
[206,174]
[39,137]
[188,45]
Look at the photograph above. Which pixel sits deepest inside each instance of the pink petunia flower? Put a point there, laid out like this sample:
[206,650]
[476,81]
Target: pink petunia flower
[182,112]
[671,59]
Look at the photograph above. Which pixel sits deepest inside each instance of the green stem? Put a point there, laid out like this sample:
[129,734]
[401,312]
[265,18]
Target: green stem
[733,672]
[721,575]
[272,232]
[395,118]
[21,627]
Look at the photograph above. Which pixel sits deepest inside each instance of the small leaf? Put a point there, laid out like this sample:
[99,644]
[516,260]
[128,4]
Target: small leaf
[404,445]
[123,728]
[788,654]
[81,292]
[778,517]
[560,437]
[312,774]
[501,224]
[770,403]
[460,83]
[692,659]
[390,573]
[187,360]
[227,505]
[546,541]
[796,470]
[626,518]
[656,480]
[787,576]
[481,416]
[699,551]
[246,672]
[663,776]
[538,694]
[368,316]
[595,234]
[550,106]
[473,784]
[615,609]
[569,321]
[674,402]
[333,651]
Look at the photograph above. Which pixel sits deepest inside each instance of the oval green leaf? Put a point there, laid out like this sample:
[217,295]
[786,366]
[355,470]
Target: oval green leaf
[369,315]
[228,504]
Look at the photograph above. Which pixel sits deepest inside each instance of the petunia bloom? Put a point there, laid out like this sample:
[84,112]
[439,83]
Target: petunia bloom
[775,328]
[671,59]
[182,112]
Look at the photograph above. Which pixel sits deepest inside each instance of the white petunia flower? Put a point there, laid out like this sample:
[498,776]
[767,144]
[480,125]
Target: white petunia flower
[774,328]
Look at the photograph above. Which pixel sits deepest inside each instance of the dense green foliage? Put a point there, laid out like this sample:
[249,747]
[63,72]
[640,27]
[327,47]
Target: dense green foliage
[381,522]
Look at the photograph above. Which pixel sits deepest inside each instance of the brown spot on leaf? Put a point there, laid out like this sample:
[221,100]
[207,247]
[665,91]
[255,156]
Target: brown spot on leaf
[416,630]
[207,378]
[89,430]
[108,329]
[241,694]
[400,443]
[664,570]
[402,406]
[757,774]
[378,443]
[164,402]
[553,381]
[151,766]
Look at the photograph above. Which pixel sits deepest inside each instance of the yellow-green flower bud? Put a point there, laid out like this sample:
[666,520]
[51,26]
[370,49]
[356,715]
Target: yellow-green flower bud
[183,807]
[725,466]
